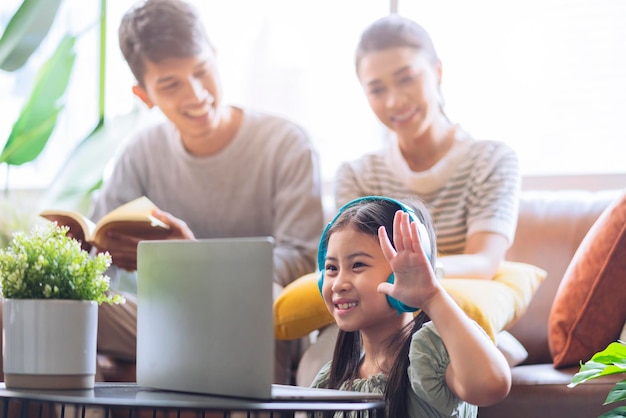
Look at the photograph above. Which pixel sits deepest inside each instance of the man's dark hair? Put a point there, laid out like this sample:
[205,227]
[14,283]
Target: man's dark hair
[154,30]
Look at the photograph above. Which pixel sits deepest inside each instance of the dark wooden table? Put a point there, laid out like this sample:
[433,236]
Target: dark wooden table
[130,400]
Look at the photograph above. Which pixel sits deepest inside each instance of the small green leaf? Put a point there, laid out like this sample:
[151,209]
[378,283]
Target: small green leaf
[618,393]
[31,131]
[23,34]
[615,413]
[611,360]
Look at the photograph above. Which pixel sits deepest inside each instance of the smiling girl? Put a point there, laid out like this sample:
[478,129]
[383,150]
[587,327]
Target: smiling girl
[431,362]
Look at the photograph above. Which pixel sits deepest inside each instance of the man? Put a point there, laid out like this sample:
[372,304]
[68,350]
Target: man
[214,170]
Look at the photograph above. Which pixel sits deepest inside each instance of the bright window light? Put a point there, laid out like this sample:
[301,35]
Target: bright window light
[546,76]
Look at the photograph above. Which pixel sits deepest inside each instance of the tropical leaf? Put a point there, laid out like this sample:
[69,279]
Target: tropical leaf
[83,170]
[615,413]
[618,393]
[31,131]
[27,28]
[611,360]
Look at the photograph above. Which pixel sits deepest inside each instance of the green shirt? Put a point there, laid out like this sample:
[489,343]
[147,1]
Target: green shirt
[429,395]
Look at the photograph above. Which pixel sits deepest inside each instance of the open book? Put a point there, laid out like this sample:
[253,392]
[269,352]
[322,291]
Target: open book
[133,218]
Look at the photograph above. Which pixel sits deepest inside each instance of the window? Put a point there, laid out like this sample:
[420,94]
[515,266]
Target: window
[546,76]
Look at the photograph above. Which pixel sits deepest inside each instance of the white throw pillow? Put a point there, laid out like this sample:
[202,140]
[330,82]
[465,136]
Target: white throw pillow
[513,350]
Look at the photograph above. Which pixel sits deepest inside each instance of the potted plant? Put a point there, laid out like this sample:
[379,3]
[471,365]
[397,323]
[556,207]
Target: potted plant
[51,290]
[611,360]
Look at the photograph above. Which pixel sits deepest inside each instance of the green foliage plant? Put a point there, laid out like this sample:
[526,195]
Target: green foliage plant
[25,31]
[611,360]
[48,264]
[37,120]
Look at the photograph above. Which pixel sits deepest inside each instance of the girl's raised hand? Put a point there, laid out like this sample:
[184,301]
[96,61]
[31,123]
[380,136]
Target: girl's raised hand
[415,282]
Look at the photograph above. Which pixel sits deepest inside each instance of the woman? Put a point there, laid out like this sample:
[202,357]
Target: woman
[471,187]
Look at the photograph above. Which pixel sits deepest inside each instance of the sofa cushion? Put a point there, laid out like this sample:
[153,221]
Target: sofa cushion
[299,309]
[513,351]
[493,304]
[496,304]
[589,310]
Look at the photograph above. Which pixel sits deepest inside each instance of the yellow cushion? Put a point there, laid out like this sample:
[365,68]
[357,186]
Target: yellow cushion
[494,304]
[300,309]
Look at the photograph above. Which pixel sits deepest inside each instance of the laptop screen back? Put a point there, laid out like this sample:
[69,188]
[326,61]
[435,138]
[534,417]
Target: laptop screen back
[204,316]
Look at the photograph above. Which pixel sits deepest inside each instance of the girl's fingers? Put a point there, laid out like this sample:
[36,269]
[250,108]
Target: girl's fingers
[397,232]
[417,244]
[403,236]
[406,231]
[385,244]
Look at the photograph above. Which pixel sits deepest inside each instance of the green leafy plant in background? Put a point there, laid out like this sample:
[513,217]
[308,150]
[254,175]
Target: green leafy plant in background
[19,39]
[22,36]
[611,360]
[81,173]
[27,28]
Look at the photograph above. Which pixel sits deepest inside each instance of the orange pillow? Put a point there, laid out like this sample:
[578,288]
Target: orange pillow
[589,309]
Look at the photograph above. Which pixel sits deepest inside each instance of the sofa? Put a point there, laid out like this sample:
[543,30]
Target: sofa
[551,227]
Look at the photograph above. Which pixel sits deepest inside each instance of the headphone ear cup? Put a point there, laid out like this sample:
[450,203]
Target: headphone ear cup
[320,280]
[395,303]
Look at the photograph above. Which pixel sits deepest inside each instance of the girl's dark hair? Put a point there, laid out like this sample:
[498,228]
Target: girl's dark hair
[154,30]
[394,31]
[367,216]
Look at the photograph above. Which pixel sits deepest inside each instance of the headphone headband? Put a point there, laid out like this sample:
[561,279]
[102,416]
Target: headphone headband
[421,229]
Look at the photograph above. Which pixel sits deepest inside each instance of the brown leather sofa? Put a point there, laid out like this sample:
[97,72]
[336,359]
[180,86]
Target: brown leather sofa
[550,228]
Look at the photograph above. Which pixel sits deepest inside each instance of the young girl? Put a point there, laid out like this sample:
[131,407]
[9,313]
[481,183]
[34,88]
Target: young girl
[433,363]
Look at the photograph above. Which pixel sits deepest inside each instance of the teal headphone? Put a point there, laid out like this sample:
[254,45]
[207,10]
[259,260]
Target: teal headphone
[421,229]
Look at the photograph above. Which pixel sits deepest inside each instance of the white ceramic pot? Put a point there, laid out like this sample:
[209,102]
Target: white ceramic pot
[49,343]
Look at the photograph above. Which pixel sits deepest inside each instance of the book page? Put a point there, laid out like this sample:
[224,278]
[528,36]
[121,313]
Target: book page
[139,209]
[134,219]
[80,227]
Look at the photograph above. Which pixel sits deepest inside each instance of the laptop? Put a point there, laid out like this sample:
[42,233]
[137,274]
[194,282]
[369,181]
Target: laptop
[204,316]
[205,321]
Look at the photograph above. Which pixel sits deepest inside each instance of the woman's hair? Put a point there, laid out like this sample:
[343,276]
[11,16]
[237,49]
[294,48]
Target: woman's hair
[154,30]
[394,31]
[367,216]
